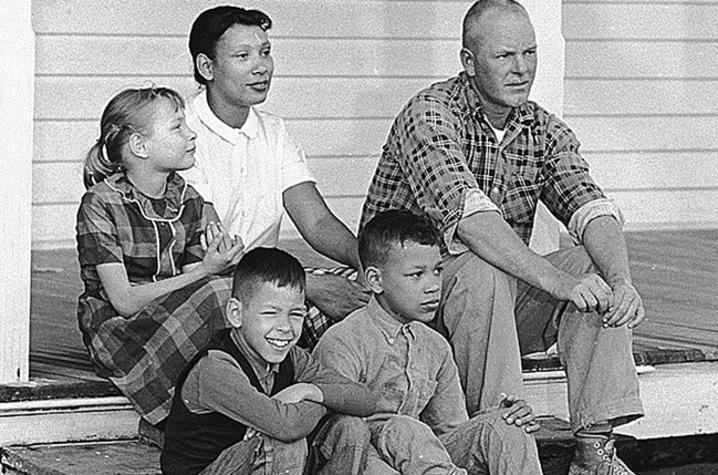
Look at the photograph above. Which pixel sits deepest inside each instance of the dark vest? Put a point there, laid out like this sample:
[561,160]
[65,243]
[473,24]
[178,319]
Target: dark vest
[193,441]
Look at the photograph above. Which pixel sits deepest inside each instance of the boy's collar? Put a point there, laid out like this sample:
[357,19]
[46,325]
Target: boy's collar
[261,367]
[387,325]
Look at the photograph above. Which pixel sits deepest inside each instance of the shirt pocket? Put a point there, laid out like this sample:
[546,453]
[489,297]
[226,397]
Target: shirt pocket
[523,191]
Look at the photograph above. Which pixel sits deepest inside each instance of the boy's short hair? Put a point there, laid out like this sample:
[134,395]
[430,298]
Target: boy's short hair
[211,24]
[389,228]
[266,265]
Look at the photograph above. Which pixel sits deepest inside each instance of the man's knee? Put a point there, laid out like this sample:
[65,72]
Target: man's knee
[574,260]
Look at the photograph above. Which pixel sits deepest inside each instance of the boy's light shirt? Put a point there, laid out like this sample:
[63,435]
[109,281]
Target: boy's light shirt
[410,365]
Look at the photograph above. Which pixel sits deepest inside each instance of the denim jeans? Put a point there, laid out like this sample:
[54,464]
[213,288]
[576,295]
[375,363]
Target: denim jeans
[491,318]
[484,444]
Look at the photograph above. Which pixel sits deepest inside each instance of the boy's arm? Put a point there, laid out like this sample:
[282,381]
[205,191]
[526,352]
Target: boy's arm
[224,388]
[338,381]
[447,407]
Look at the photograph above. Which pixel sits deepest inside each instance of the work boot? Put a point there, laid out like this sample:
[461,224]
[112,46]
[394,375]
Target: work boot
[596,455]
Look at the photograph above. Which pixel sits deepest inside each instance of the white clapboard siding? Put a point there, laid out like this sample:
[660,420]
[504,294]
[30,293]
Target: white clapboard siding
[343,69]
[640,93]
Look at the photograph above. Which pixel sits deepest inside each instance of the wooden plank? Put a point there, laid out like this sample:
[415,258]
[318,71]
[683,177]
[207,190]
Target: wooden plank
[640,97]
[645,134]
[365,137]
[169,56]
[648,20]
[305,99]
[641,59]
[383,19]
[61,182]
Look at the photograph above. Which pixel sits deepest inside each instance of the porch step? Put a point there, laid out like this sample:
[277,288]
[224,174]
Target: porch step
[693,455]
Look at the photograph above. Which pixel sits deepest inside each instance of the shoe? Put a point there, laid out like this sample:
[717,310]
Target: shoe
[596,455]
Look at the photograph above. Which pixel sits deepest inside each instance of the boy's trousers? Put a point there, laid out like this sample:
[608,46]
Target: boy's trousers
[482,445]
[491,318]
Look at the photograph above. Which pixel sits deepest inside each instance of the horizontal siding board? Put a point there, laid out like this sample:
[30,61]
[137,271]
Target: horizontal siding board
[646,134]
[646,97]
[291,18]
[54,224]
[151,56]
[339,177]
[307,99]
[344,137]
[641,59]
[325,137]
[654,170]
[61,182]
[646,20]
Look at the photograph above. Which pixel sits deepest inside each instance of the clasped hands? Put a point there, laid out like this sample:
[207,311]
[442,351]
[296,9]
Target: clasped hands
[617,303]
[221,249]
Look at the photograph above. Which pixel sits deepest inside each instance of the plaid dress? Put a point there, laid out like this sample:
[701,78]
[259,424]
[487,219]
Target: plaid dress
[154,239]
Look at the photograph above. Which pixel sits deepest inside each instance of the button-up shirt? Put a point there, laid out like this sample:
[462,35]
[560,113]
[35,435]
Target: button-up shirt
[244,171]
[443,160]
[410,365]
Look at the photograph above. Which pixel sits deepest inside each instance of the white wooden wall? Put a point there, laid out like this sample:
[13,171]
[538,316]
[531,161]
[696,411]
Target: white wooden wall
[641,91]
[343,70]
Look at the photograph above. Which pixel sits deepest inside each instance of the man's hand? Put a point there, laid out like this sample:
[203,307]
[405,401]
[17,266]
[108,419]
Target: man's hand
[299,392]
[335,296]
[588,292]
[518,412]
[627,307]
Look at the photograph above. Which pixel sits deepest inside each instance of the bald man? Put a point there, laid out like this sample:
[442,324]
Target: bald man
[475,156]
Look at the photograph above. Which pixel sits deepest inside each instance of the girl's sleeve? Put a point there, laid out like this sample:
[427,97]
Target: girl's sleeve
[97,238]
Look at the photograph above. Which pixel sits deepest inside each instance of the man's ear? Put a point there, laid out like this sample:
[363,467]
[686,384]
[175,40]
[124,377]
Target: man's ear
[234,312]
[137,145]
[205,66]
[468,60]
[373,279]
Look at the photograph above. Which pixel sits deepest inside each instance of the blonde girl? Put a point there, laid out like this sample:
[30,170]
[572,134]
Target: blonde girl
[152,296]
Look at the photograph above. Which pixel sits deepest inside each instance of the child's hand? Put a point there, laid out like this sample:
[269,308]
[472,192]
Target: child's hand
[213,231]
[299,392]
[519,412]
[222,251]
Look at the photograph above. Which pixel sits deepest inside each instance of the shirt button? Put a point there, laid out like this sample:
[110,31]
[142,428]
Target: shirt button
[391,341]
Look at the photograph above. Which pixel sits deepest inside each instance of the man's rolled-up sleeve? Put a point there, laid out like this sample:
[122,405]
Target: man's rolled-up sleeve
[569,187]
[436,169]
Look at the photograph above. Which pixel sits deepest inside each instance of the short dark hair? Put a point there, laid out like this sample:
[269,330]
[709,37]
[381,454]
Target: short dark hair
[392,227]
[479,8]
[211,24]
[266,265]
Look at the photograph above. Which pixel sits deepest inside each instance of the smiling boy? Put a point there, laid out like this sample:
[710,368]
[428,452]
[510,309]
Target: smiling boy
[247,403]
[421,425]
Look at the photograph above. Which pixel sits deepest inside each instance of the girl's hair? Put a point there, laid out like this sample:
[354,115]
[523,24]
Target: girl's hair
[124,115]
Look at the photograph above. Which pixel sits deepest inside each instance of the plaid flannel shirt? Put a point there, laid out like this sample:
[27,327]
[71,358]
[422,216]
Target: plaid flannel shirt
[442,160]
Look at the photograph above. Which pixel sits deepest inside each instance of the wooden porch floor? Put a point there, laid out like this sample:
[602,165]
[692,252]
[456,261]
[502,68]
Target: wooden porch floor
[676,273]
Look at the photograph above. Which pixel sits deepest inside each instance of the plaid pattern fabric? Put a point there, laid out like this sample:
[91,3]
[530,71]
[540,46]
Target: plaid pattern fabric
[315,322]
[441,146]
[154,238]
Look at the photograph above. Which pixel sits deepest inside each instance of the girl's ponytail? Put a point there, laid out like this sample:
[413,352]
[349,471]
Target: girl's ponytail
[98,165]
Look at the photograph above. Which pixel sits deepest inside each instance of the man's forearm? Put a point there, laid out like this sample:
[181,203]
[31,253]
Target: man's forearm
[335,241]
[604,242]
[492,239]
